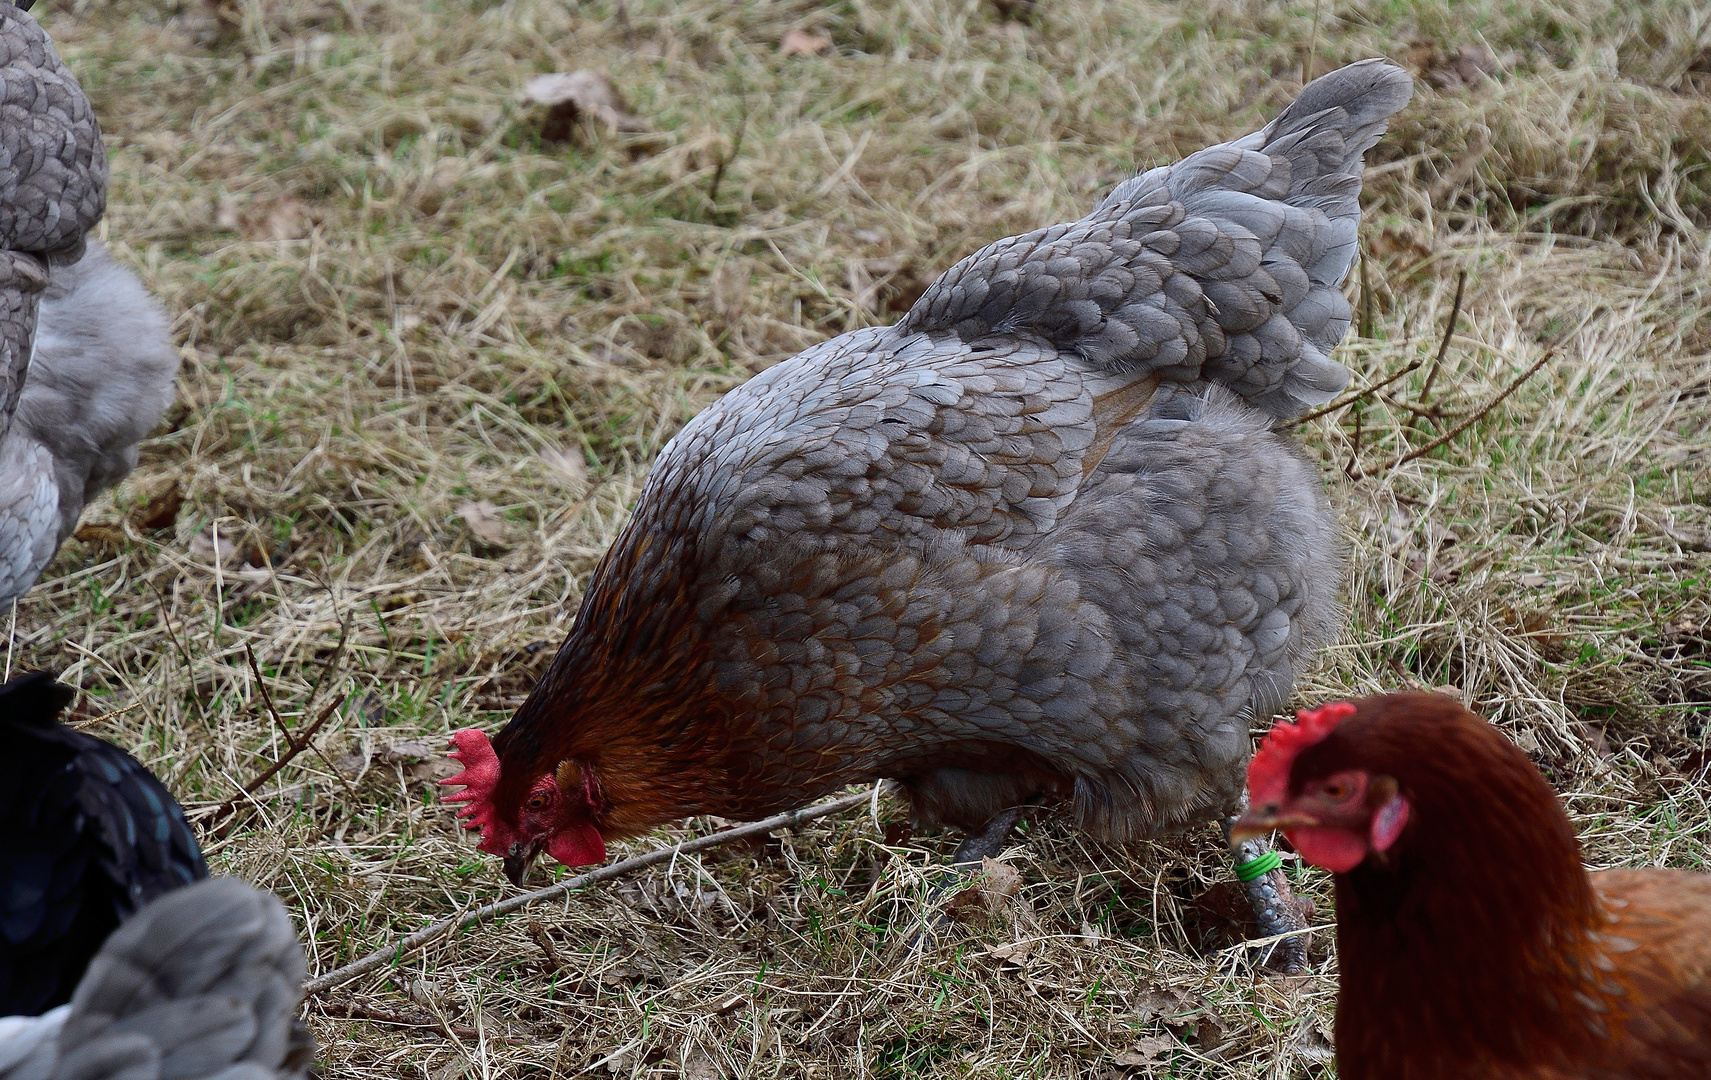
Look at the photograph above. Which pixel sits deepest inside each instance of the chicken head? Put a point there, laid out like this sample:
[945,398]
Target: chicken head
[1334,820]
[557,815]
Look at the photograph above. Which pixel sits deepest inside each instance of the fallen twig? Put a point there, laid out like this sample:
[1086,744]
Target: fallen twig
[1354,397]
[290,740]
[426,936]
[1444,345]
[419,1018]
[1461,427]
[225,813]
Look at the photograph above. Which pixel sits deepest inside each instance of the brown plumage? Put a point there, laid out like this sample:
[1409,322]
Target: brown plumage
[1472,942]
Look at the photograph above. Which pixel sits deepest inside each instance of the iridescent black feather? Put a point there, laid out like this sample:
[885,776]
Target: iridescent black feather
[90,837]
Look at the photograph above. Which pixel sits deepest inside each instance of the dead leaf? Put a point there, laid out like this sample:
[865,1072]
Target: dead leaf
[161,511]
[699,1066]
[1016,10]
[1145,1051]
[997,884]
[1163,1002]
[1015,952]
[803,43]
[100,533]
[577,96]
[1209,1034]
[568,465]
[1465,67]
[484,522]
[210,546]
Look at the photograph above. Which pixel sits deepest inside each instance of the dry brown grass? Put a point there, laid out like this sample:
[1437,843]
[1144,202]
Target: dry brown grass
[393,299]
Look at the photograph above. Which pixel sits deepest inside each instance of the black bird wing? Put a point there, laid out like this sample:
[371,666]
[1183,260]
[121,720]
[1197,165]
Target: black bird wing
[94,837]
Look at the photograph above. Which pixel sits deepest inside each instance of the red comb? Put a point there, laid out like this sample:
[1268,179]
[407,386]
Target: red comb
[1268,772]
[480,775]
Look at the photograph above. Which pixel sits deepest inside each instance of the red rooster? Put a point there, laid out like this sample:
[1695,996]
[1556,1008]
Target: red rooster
[1471,940]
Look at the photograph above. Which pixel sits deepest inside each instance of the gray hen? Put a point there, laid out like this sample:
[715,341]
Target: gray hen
[102,375]
[1037,539]
[202,984]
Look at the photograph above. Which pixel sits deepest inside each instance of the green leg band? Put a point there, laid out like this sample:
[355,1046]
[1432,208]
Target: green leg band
[1265,864]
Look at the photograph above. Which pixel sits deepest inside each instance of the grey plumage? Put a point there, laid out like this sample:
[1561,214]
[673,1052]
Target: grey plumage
[102,376]
[1038,537]
[202,984]
[53,183]
[1226,266]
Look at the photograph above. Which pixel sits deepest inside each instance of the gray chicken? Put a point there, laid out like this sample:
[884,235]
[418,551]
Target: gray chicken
[1037,540]
[83,379]
[202,984]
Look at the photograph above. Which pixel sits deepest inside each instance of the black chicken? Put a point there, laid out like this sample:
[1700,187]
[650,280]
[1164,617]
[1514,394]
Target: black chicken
[93,836]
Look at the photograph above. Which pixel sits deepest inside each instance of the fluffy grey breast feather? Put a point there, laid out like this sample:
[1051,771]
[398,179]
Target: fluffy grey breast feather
[203,984]
[102,375]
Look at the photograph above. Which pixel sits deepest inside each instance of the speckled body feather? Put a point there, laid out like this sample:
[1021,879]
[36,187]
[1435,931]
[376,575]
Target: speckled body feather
[1037,538]
[53,183]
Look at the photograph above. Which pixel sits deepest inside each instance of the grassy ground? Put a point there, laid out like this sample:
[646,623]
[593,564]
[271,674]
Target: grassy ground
[428,358]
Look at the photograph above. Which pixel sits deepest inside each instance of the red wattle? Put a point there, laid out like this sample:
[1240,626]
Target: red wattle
[579,845]
[1336,850]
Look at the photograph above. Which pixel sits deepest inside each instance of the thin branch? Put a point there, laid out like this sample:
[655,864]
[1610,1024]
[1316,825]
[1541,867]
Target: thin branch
[1352,398]
[446,927]
[1366,316]
[1354,452]
[1444,345]
[290,739]
[419,1018]
[1312,47]
[1464,425]
[726,159]
[189,664]
[222,815]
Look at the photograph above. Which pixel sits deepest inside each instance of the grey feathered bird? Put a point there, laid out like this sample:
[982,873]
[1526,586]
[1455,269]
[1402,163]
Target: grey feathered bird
[202,984]
[81,385]
[1037,539]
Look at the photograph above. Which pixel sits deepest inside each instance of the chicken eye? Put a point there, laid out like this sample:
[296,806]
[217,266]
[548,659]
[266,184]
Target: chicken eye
[537,801]
[1336,790]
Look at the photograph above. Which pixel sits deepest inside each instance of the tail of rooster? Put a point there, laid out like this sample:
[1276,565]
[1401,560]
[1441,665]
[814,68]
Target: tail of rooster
[202,983]
[1226,266]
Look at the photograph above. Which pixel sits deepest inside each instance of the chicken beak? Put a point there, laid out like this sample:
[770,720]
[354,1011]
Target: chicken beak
[518,860]
[1266,820]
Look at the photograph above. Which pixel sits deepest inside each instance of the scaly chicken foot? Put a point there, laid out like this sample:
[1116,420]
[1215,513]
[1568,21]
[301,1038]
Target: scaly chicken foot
[988,842]
[1275,907]
[974,849]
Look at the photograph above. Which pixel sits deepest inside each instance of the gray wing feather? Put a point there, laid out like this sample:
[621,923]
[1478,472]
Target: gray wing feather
[53,184]
[1226,266]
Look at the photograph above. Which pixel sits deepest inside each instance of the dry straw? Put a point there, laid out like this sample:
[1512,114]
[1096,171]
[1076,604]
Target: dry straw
[428,358]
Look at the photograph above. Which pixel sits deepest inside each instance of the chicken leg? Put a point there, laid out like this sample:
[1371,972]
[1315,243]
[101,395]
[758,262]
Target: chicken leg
[988,842]
[1275,907]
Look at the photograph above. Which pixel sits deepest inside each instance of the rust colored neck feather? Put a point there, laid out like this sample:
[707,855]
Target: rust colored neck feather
[1466,941]
[630,694]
